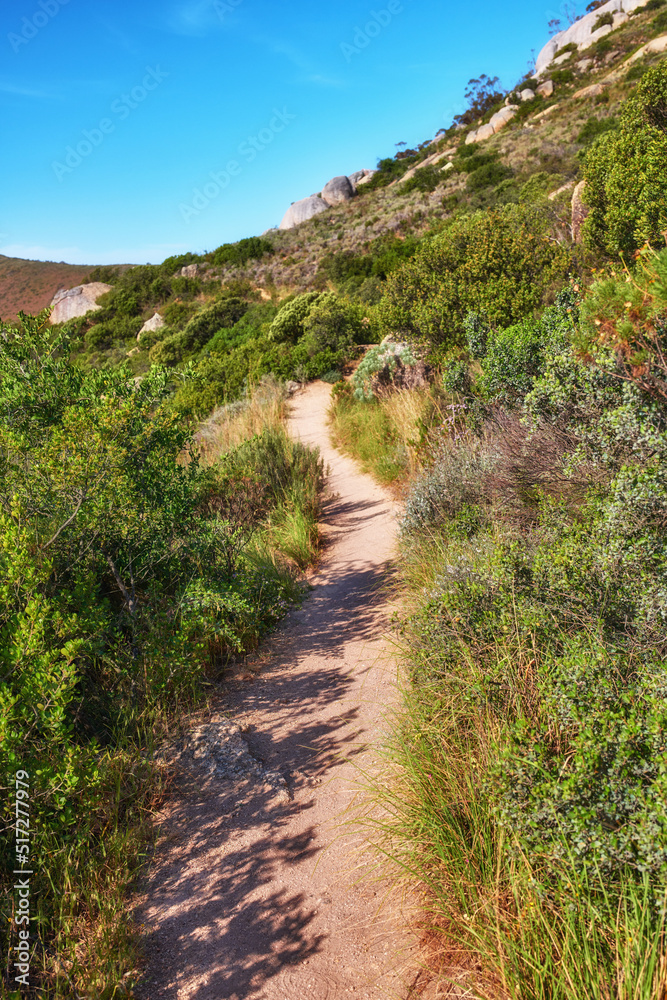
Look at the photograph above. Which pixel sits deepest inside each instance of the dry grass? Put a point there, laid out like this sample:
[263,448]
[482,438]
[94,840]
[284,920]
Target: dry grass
[231,425]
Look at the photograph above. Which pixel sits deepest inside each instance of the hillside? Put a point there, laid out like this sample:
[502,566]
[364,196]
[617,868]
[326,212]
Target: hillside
[489,312]
[29,285]
[524,147]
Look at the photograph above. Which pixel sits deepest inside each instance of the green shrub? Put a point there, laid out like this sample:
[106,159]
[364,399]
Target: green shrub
[602,20]
[659,23]
[488,175]
[385,355]
[252,248]
[626,186]
[563,76]
[288,324]
[499,262]
[594,128]
[535,189]
[426,179]
[331,324]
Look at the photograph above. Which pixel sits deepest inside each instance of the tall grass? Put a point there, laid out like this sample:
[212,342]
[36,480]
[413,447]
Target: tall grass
[231,425]
[386,437]
[497,922]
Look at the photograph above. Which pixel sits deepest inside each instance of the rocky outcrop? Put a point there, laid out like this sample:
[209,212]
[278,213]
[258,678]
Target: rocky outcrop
[496,123]
[69,303]
[189,271]
[156,322]
[369,175]
[579,211]
[338,189]
[594,90]
[301,211]
[527,95]
[581,32]
[545,89]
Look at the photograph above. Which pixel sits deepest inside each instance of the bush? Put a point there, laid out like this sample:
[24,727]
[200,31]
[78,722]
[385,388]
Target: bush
[488,175]
[331,324]
[499,262]
[602,20]
[386,355]
[594,128]
[288,324]
[426,179]
[626,185]
[252,248]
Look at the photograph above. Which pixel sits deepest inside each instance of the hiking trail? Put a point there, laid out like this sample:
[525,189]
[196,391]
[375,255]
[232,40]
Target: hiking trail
[255,891]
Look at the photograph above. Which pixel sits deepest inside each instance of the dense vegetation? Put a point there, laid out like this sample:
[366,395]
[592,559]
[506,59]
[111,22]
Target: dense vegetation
[134,567]
[527,789]
[142,549]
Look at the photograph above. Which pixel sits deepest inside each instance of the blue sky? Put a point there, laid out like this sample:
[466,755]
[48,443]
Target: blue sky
[136,130]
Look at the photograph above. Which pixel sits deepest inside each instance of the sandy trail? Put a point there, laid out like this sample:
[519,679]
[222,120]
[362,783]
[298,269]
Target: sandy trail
[256,895]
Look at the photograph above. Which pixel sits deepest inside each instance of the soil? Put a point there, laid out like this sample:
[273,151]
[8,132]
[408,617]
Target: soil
[262,886]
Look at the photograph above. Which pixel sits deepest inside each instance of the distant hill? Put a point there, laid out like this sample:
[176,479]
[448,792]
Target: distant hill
[29,285]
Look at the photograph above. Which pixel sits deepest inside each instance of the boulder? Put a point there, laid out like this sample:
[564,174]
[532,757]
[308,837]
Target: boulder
[543,114]
[559,60]
[301,211]
[69,303]
[364,180]
[527,95]
[594,90]
[545,89]
[357,176]
[189,271]
[156,322]
[579,211]
[337,190]
[292,387]
[581,32]
[503,117]
[584,65]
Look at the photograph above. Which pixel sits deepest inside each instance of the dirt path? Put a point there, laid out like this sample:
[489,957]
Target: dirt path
[256,892]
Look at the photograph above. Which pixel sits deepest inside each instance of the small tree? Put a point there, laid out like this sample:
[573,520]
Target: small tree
[481,94]
[626,182]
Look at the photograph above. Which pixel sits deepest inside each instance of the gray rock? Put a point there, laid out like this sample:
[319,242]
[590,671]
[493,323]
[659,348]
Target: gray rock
[527,94]
[584,65]
[292,387]
[156,322]
[581,32]
[594,90]
[364,180]
[189,271]
[358,174]
[579,211]
[301,211]
[337,190]
[69,303]
[545,89]
[401,376]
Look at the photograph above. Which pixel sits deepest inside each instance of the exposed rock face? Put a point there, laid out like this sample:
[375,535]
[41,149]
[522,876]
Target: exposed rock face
[189,271]
[527,95]
[338,189]
[360,176]
[497,122]
[579,211]
[364,180]
[301,211]
[545,89]
[581,32]
[156,322]
[594,90]
[69,303]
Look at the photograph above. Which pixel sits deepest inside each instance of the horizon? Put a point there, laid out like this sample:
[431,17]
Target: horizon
[190,124]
